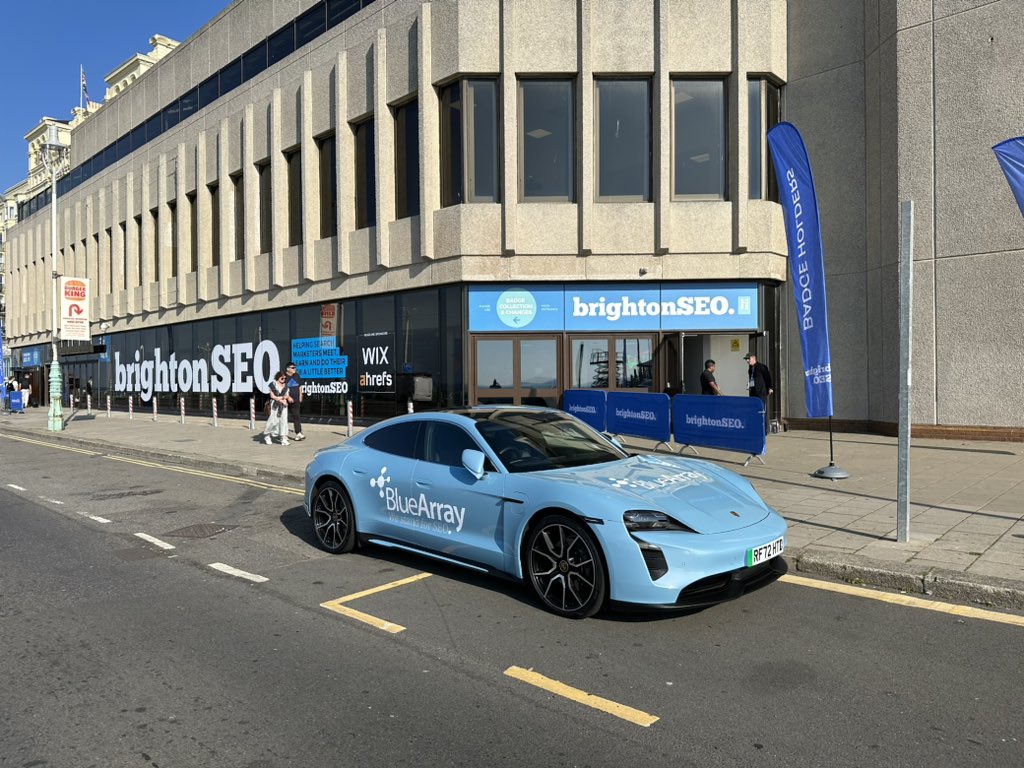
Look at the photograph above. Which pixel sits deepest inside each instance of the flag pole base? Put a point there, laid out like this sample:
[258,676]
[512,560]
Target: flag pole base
[831,472]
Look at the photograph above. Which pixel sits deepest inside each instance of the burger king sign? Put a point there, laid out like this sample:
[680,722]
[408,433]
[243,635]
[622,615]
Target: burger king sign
[74,309]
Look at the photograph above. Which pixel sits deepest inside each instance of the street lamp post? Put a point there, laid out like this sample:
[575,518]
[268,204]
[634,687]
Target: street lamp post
[54,156]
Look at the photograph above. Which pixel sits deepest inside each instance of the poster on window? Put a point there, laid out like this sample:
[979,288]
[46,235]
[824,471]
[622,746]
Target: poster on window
[377,362]
[329,320]
[74,309]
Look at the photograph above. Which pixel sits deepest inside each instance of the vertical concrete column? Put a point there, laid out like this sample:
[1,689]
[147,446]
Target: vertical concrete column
[384,149]
[92,258]
[509,132]
[585,125]
[183,211]
[226,200]
[78,263]
[204,246]
[343,147]
[737,168]
[251,185]
[163,225]
[132,246]
[101,245]
[147,256]
[278,194]
[662,119]
[430,142]
[310,192]
[117,250]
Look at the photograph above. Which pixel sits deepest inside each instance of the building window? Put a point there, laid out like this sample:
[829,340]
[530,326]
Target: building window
[366,188]
[469,142]
[214,192]
[238,193]
[172,210]
[764,111]
[193,224]
[263,174]
[698,139]
[293,160]
[623,110]
[407,160]
[547,140]
[328,186]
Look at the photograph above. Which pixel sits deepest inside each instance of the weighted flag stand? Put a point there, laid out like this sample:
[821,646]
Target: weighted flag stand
[831,472]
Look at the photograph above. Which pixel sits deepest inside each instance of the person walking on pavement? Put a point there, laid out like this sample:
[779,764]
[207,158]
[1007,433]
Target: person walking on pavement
[708,385]
[277,421]
[759,383]
[297,393]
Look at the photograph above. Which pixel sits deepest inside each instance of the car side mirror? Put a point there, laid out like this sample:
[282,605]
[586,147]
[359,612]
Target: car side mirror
[473,461]
[613,440]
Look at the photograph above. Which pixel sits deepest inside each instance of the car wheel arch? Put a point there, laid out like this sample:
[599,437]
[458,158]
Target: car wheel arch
[539,515]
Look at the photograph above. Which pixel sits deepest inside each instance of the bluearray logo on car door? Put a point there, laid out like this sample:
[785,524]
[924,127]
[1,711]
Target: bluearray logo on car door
[420,511]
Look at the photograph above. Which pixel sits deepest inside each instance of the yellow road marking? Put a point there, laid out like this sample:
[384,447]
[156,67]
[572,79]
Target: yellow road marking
[582,697]
[337,606]
[52,445]
[906,600]
[212,475]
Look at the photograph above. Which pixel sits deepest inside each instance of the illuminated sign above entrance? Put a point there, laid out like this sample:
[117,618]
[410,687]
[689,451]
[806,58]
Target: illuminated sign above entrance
[626,307]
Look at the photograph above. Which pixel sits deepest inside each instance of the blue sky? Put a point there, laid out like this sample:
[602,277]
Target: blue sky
[43,44]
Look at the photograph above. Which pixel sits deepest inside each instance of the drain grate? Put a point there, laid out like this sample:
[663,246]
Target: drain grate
[200,531]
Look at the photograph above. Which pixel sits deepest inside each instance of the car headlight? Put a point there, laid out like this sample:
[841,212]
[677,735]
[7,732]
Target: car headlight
[649,520]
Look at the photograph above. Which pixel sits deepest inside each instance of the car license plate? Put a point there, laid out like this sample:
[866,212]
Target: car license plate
[765,552]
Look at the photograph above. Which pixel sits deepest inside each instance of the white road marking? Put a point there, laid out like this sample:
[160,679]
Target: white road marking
[52,501]
[15,487]
[240,574]
[154,540]
[98,519]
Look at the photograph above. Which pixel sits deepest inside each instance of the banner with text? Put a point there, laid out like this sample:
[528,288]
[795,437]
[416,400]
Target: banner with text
[639,414]
[74,309]
[730,423]
[806,263]
[587,405]
[377,362]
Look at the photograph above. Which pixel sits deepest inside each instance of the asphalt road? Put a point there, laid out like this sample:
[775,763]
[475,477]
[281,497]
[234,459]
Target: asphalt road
[117,652]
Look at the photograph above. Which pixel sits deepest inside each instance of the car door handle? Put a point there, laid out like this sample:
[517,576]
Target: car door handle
[424,484]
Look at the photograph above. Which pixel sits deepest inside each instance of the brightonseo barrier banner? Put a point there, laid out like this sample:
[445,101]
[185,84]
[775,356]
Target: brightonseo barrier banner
[1010,154]
[587,405]
[640,414]
[806,264]
[730,423]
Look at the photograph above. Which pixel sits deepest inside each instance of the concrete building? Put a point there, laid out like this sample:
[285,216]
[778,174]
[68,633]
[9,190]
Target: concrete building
[498,200]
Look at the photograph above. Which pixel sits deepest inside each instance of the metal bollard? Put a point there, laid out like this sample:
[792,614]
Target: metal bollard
[108,406]
[154,407]
[131,407]
[213,400]
[72,399]
[252,413]
[88,404]
[181,403]
[348,411]
[409,407]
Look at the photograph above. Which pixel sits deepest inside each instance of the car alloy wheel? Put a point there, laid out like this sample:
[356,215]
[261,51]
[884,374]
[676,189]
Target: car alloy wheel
[333,519]
[565,567]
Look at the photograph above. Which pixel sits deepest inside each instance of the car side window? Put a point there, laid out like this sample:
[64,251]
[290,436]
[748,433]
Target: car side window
[444,444]
[396,439]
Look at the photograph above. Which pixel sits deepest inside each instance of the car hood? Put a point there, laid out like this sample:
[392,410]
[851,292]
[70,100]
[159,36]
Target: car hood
[699,494]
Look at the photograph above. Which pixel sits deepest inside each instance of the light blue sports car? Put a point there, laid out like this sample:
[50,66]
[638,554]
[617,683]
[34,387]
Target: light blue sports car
[537,495]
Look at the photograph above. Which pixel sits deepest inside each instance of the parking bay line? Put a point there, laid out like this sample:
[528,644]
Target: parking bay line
[635,716]
[906,600]
[232,571]
[155,541]
[337,606]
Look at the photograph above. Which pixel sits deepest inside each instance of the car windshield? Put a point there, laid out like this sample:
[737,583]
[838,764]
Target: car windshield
[530,441]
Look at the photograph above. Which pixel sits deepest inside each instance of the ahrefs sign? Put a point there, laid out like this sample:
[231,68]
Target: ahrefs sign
[625,307]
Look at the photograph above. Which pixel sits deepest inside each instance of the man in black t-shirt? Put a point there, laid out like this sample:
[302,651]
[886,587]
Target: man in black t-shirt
[297,391]
[708,385]
[759,383]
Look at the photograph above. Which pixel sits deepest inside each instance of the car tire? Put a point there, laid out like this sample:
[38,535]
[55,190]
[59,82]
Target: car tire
[564,566]
[334,520]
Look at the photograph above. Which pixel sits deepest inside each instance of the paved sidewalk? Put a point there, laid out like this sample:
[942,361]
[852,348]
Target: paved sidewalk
[967,518]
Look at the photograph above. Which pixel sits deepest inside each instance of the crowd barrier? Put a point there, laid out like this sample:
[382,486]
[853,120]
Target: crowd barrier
[728,423]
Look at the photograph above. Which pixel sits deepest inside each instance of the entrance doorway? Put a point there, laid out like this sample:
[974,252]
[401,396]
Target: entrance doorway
[516,370]
[727,350]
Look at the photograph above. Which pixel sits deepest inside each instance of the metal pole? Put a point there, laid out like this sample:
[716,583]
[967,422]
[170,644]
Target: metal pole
[906,327]
[55,416]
